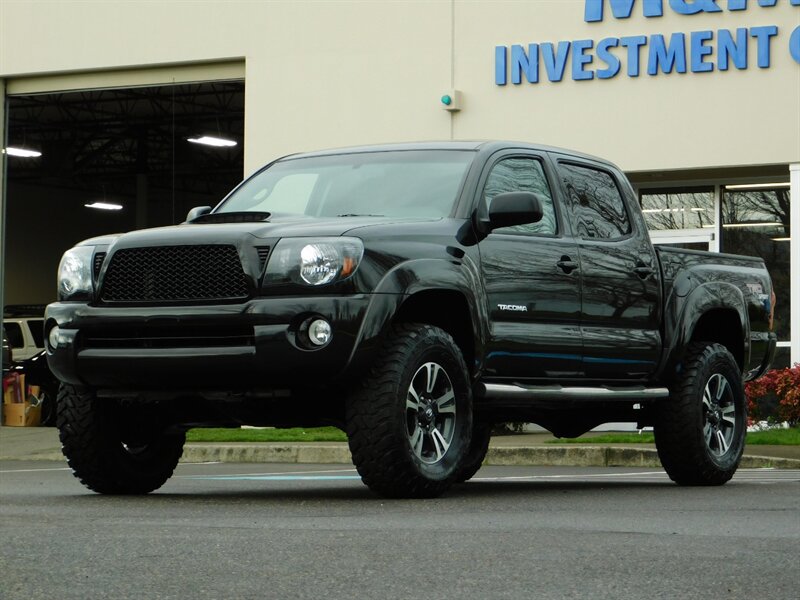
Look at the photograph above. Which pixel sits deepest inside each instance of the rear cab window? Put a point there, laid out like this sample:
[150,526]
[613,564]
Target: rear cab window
[595,203]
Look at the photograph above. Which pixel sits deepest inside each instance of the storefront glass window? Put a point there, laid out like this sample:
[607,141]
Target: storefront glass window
[756,223]
[689,208]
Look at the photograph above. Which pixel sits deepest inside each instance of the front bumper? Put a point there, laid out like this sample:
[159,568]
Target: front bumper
[227,346]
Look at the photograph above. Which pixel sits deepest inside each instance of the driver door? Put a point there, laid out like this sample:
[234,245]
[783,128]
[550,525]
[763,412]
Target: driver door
[532,278]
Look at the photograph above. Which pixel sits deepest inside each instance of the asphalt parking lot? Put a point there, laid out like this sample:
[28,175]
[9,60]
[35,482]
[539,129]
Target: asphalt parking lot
[314,531]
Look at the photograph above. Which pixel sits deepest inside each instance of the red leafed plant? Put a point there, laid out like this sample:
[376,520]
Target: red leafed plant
[779,386]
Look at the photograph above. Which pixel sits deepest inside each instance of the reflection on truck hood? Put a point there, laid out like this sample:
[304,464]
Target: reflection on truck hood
[276,227]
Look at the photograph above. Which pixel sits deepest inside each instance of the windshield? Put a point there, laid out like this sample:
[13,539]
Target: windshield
[411,183]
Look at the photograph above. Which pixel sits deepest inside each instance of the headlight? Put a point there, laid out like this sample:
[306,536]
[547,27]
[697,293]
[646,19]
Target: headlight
[75,274]
[310,261]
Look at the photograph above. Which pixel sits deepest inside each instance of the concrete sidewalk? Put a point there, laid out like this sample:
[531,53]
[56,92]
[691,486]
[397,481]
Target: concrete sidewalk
[530,449]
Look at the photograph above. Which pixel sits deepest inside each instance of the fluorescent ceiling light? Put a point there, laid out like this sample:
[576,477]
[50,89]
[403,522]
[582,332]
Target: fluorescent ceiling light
[22,152]
[670,210]
[781,239]
[104,206]
[212,141]
[771,224]
[756,186]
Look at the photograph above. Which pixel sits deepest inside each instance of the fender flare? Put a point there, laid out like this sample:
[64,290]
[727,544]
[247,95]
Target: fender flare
[413,277]
[683,313]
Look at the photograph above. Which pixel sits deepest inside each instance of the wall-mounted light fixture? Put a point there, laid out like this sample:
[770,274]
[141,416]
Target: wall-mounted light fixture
[451,100]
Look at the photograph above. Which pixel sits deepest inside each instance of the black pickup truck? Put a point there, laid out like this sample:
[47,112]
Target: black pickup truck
[413,295]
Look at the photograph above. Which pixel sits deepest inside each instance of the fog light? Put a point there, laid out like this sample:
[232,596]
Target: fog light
[53,337]
[319,332]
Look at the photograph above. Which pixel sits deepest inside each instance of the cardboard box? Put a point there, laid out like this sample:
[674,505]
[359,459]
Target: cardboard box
[13,386]
[22,414]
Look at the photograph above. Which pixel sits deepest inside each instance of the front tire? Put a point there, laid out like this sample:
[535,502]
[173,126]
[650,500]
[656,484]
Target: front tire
[111,450]
[700,430]
[409,422]
[478,447]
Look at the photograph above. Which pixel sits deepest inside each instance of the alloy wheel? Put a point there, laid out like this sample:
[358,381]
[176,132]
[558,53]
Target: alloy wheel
[430,413]
[719,415]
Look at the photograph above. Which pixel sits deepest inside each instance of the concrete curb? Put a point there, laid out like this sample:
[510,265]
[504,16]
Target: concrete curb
[267,453]
[533,456]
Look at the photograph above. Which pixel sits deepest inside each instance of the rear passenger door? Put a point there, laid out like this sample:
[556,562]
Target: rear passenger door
[621,291]
[532,279]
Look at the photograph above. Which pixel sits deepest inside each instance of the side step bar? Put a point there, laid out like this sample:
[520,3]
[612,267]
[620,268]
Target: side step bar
[500,391]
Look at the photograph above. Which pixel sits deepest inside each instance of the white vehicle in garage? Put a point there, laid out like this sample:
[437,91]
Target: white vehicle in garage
[24,328]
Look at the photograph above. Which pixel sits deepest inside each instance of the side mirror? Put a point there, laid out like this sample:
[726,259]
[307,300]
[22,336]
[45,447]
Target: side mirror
[197,211]
[514,208]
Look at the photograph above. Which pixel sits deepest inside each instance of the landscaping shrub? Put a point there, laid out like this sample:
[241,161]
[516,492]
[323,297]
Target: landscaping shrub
[775,396]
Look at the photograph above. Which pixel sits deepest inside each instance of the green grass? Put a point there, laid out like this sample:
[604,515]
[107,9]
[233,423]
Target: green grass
[317,434]
[773,437]
[777,437]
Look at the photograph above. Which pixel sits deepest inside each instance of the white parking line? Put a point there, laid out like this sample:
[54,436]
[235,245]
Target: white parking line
[276,474]
[34,470]
[570,476]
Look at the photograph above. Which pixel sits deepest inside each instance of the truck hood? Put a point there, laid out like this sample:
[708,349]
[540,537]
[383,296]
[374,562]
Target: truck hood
[276,227]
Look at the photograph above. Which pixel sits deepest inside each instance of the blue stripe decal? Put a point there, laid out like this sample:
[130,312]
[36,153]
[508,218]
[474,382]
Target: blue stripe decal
[608,361]
[617,361]
[535,355]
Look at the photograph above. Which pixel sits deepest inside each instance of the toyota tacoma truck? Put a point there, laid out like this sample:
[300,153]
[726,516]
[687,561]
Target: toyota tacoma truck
[413,295]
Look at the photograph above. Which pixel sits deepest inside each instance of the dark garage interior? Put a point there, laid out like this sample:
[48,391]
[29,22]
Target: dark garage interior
[125,148]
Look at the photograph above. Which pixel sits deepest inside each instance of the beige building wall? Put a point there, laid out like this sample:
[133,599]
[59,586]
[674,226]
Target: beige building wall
[322,74]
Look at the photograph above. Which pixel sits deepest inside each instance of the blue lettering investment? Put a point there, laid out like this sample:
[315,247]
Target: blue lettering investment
[555,60]
[666,58]
[580,59]
[529,63]
[764,36]
[698,52]
[604,53]
[728,49]
[633,43]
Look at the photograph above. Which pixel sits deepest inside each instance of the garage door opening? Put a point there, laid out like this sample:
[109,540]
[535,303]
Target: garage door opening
[88,163]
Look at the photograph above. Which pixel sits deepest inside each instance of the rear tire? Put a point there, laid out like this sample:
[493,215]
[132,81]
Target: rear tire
[700,430]
[409,421]
[106,453]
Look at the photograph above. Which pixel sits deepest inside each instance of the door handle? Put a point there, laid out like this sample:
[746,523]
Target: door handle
[567,265]
[643,271]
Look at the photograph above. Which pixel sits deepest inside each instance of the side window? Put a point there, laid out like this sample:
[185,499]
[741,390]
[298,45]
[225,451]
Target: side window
[595,203]
[14,335]
[522,175]
[36,327]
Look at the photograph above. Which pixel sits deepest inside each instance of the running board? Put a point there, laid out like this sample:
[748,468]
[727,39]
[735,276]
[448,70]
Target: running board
[499,391]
